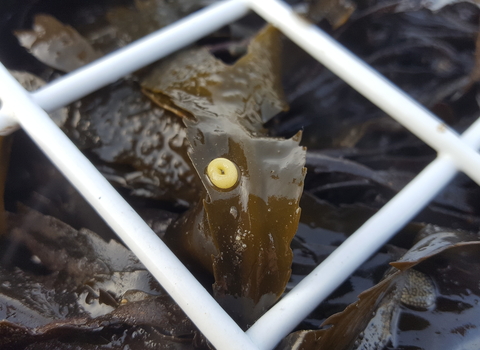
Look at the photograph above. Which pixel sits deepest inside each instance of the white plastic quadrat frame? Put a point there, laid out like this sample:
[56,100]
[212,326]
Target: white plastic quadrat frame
[28,110]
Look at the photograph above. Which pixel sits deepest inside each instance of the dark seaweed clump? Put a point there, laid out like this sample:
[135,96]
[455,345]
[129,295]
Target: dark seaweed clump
[65,281]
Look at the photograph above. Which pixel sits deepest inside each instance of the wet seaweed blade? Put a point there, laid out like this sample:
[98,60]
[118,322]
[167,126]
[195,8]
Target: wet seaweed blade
[454,152]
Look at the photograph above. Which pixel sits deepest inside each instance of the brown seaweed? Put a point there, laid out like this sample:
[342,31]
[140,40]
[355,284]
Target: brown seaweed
[142,147]
[247,93]
[427,54]
[321,230]
[242,234]
[337,12]
[31,82]
[153,322]
[80,254]
[413,305]
[57,45]
[342,181]
[81,288]
[146,16]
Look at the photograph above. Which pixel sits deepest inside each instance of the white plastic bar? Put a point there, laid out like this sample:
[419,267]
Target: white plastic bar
[197,303]
[346,65]
[190,295]
[371,84]
[370,237]
[132,57]
[7,123]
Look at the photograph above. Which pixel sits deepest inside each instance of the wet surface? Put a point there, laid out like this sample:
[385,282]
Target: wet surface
[424,305]
[153,136]
[241,234]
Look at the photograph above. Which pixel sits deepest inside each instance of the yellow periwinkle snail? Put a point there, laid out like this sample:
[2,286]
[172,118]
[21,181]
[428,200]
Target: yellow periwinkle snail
[223,173]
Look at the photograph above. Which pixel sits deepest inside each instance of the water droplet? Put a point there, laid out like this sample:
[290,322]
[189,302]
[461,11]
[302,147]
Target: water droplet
[234,212]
